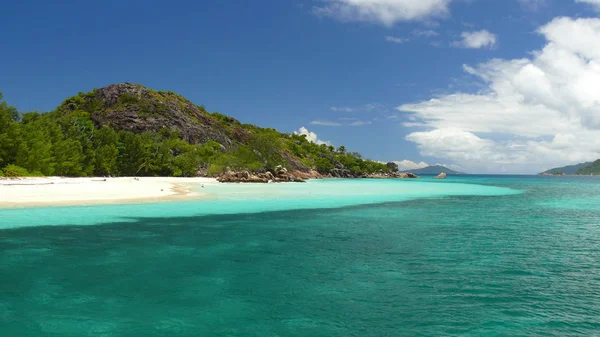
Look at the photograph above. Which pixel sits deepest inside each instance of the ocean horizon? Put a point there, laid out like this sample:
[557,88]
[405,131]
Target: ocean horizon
[472,255]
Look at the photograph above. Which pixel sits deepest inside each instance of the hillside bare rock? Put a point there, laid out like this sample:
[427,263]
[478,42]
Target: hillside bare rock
[135,108]
[309,174]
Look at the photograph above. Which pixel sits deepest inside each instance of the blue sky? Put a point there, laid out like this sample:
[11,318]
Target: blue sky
[359,73]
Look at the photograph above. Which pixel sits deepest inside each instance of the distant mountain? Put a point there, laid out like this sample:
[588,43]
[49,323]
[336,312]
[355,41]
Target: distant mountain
[592,168]
[571,169]
[435,169]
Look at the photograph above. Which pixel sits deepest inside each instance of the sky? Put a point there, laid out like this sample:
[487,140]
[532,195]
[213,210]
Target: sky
[482,86]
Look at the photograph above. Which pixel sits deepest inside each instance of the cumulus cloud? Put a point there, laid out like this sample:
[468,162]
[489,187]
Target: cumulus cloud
[406,165]
[311,136]
[535,113]
[385,12]
[476,40]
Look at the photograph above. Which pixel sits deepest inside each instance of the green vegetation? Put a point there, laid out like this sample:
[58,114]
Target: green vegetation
[565,170]
[593,168]
[87,135]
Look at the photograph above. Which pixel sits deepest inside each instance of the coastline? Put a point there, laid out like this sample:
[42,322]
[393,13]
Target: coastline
[77,191]
[57,191]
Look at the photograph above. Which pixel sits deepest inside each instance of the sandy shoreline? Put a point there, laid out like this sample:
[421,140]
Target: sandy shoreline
[48,191]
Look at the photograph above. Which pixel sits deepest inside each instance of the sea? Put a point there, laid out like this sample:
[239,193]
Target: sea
[466,256]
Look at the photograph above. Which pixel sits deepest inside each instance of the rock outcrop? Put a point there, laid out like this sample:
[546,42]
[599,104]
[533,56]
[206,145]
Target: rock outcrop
[341,173]
[135,108]
[279,175]
[441,176]
[392,175]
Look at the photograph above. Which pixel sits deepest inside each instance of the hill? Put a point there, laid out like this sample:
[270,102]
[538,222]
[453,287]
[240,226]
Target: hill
[571,169]
[127,129]
[434,169]
[591,169]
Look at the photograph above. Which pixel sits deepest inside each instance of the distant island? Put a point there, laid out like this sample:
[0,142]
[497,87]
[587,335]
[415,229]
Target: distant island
[131,130]
[588,168]
[434,170]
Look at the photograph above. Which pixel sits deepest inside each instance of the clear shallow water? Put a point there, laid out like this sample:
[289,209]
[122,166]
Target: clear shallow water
[252,198]
[470,256]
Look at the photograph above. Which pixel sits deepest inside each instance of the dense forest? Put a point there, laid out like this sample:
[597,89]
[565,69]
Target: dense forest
[131,130]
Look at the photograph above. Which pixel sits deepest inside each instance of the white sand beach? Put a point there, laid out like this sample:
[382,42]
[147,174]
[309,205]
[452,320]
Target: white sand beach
[76,191]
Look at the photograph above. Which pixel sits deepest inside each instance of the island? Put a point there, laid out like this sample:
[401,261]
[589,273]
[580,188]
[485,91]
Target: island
[587,168]
[129,130]
[434,170]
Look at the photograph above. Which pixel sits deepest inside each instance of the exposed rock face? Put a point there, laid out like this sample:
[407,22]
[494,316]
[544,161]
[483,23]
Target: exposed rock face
[441,175]
[310,174]
[243,176]
[341,173]
[281,171]
[281,175]
[138,109]
[294,164]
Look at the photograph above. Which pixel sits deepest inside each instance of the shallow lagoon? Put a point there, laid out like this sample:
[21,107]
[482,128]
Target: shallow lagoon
[470,256]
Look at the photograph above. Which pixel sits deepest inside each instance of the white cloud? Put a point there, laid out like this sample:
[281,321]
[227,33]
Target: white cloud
[535,113]
[341,108]
[394,39]
[476,39]
[326,123]
[311,136]
[385,12]
[405,165]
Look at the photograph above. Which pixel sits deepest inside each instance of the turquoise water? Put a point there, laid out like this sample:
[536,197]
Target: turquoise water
[469,256]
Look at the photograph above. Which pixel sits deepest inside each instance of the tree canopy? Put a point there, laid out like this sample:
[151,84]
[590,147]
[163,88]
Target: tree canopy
[69,142]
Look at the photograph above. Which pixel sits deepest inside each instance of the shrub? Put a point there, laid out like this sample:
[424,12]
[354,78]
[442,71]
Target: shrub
[14,171]
[128,98]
